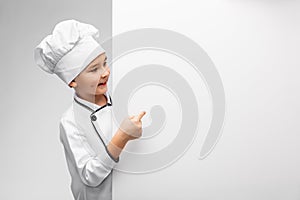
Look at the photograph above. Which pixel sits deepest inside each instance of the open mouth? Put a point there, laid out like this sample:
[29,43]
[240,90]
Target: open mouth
[102,84]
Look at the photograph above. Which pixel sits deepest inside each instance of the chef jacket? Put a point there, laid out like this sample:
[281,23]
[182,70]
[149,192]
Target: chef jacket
[85,131]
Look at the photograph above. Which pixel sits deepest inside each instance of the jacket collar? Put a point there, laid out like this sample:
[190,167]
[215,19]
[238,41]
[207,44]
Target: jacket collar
[92,106]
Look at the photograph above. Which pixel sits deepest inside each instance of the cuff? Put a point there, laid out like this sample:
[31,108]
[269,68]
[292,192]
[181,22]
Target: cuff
[107,159]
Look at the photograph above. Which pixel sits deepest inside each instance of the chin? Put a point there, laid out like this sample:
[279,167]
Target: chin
[101,91]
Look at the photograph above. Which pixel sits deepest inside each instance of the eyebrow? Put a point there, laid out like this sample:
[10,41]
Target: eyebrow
[90,67]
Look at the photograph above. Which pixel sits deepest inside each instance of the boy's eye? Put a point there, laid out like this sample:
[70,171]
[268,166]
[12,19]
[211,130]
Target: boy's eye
[96,68]
[93,70]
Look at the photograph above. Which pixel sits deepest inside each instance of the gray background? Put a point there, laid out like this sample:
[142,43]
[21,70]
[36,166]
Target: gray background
[255,46]
[33,165]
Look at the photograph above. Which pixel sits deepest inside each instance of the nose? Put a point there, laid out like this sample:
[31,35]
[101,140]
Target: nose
[105,73]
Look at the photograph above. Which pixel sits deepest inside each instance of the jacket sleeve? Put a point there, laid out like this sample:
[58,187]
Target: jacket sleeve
[92,168]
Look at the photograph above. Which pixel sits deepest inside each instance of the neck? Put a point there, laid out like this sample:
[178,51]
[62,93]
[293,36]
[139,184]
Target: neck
[99,100]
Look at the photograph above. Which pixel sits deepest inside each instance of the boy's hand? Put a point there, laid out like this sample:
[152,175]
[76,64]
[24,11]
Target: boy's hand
[132,126]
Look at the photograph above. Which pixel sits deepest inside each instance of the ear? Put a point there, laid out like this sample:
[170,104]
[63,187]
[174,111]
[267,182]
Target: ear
[73,84]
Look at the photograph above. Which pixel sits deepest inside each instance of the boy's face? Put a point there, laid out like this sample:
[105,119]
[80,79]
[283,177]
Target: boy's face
[90,81]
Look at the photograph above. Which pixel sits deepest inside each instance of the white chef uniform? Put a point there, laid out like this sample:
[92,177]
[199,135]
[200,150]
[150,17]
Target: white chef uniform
[85,130]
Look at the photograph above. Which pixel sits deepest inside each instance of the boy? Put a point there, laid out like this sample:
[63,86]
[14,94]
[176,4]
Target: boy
[74,55]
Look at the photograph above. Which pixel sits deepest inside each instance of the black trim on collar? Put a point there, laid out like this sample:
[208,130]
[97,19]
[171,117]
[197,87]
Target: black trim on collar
[94,111]
[85,106]
[107,104]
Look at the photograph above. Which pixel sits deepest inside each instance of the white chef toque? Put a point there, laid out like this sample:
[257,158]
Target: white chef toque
[70,48]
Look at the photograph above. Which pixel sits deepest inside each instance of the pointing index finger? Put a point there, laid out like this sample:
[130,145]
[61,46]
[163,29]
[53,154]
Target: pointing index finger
[139,117]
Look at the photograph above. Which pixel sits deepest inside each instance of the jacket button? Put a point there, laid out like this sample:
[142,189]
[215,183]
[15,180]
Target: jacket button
[93,117]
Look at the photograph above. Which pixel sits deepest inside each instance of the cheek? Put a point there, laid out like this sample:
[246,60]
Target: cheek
[94,80]
[88,81]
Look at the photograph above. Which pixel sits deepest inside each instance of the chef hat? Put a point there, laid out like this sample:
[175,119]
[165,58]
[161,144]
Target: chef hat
[70,48]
